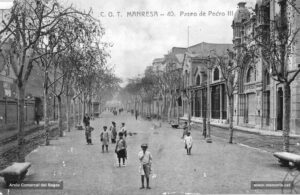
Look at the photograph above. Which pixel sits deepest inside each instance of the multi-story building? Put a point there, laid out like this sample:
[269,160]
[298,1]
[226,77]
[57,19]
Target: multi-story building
[198,63]
[258,102]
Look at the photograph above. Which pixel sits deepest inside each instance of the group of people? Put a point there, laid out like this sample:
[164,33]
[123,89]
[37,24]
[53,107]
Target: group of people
[135,113]
[106,136]
[121,146]
[115,111]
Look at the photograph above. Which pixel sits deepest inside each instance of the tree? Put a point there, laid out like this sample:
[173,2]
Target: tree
[276,47]
[28,22]
[229,69]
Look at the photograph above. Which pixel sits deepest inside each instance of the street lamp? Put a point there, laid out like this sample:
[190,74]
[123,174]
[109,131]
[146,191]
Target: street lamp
[208,99]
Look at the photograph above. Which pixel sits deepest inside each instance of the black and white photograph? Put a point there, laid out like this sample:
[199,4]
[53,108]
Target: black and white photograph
[154,97]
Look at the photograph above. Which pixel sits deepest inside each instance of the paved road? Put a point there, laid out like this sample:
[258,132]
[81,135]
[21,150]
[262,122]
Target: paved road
[212,168]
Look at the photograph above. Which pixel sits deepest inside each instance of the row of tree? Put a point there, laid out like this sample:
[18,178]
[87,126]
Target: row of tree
[66,45]
[274,44]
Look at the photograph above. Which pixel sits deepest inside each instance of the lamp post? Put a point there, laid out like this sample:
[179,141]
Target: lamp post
[208,100]
[208,138]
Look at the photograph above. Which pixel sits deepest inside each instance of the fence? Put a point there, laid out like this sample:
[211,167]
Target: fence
[9,113]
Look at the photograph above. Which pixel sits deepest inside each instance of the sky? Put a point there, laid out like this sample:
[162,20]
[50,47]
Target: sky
[139,40]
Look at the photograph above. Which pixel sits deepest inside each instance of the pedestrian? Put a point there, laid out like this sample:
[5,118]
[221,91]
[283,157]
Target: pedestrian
[113,132]
[136,115]
[185,129]
[88,134]
[88,130]
[86,120]
[145,158]
[104,137]
[188,141]
[121,149]
[123,130]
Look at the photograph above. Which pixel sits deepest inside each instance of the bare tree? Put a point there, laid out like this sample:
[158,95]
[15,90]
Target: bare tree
[276,46]
[28,22]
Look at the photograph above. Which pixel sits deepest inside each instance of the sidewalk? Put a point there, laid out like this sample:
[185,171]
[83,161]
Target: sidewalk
[240,128]
[263,140]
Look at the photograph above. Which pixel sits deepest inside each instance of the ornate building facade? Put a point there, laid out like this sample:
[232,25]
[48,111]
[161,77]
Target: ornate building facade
[258,101]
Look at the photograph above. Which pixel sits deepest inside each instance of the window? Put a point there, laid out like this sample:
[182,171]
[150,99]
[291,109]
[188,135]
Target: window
[267,78]
[198,80]
[250,75]
[197,103]
[215,102]
[266,107]
[204,77]
[216,74]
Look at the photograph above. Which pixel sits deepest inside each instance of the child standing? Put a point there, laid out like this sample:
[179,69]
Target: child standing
[145,158]
[104,137]
[121,149]
[188,140]
[123,130]
[113,132]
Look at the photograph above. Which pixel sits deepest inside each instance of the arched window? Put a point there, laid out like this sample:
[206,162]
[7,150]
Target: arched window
[250,75]
[198,80]
[186,78]
[267,78]
[216,74]
[204,77]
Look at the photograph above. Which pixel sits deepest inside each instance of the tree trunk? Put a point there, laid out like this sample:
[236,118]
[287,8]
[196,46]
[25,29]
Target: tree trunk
[84,106]
[75,115]
[287,113]
[21,122]
[164,107]
[142,107]
[78,113]
[60,117]
[177,111]
[170,108]
[68,113]
[46,117]
[230,98]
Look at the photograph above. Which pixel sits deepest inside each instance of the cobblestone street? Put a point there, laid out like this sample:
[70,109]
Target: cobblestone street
[212,168]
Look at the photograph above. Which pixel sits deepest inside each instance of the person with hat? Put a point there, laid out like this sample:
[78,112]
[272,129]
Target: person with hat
[113,132]
[145,158]
[104,138]
[121,147]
